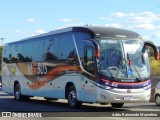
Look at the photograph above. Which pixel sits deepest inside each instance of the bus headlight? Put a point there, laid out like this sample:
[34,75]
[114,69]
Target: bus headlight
[147,87]
[107,87]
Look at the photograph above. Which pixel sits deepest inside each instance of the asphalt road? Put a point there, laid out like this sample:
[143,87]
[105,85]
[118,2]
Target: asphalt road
[60,110]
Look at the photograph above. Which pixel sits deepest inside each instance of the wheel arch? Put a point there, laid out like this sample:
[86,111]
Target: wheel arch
[156,95]
[157,103]
[68,85]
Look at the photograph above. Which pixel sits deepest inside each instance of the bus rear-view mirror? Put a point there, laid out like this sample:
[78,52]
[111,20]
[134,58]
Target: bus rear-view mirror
[155,49]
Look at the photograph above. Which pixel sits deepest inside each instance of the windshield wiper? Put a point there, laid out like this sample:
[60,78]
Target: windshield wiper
[134,67]
[121,64]
[109,76]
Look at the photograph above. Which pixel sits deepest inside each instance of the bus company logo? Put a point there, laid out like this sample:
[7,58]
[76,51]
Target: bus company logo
[6,114]
[128,91]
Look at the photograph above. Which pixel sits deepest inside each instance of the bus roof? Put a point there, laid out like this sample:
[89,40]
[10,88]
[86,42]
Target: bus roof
[94,31]
[110,32]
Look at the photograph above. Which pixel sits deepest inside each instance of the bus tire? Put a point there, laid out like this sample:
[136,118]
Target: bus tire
[157,100]
[17,93]
[72,98]
[117,105]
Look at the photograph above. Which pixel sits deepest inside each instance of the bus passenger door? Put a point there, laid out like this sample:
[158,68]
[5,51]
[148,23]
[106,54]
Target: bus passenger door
[89,60]
[89,66]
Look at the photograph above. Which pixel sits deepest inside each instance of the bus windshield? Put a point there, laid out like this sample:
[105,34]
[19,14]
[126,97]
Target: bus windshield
[125,59]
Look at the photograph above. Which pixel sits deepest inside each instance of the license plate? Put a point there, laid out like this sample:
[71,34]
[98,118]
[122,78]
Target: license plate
[127,97]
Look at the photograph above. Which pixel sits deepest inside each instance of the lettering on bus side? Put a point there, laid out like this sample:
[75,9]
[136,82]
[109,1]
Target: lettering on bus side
[30,69]
[37,69]
[41,69]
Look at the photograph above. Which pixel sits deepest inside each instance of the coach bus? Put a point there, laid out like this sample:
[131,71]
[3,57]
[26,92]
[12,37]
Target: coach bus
[81,64]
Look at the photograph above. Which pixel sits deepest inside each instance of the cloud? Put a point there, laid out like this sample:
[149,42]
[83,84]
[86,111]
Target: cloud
[116,15]
[37,32]
[146,37]
[75,24]
[149,14]
[146,20]
[140,19]
[144,17]
[30,20]
[158,34]
[121,14]
[70,25]
[158,27]
[105,18]
[20,32]
[145,26]
[65,19]
[116,25]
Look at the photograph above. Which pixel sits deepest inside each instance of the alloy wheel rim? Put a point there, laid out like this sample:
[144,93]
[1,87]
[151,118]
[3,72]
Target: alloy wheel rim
[72,97]
[17,93]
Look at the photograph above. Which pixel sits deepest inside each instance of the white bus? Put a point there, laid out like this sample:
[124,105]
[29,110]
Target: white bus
[81,64]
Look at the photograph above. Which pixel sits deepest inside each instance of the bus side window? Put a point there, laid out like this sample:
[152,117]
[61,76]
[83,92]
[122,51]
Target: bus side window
[89,60]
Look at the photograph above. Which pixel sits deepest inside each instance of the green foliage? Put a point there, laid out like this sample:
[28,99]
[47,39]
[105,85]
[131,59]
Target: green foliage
[0,58]
[0,53]
[154,67]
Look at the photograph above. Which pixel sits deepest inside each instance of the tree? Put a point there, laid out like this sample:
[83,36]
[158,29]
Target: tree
[0,56]
[155,66]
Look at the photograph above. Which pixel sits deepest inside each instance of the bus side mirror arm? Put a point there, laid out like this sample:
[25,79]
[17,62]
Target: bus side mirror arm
[156,50]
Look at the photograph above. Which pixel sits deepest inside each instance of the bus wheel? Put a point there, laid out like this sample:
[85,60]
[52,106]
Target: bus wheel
[72,98]
[117,105]
[157,100]
[17,92]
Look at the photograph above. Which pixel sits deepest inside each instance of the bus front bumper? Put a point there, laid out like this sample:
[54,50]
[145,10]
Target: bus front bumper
[123,95]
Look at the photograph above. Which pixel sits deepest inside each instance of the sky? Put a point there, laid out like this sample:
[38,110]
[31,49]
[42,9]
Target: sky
[20,19]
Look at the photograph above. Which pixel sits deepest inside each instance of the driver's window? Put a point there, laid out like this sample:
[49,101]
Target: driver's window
[89,60]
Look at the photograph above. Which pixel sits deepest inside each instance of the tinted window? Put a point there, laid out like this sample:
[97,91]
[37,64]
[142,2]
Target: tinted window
[51,49]
[26,53]
[7,54]
[66,47]
[38,50]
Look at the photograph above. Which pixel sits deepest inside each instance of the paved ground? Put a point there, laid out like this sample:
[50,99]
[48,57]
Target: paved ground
[39,104]
[59,110]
